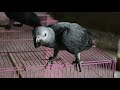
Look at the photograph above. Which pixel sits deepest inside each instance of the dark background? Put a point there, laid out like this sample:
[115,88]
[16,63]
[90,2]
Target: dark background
[104,26]
[105,21]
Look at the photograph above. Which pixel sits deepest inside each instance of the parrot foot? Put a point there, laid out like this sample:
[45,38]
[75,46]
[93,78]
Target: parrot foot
[51,61]
[8,27]
[77,65]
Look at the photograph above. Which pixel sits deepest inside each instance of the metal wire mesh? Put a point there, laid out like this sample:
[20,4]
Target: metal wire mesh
[19,58]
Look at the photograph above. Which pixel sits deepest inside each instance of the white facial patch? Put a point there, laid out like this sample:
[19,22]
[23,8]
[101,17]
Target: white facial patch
[45,34]
[38,38]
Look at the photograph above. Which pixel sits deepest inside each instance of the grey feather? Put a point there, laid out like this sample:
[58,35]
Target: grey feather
[71,37]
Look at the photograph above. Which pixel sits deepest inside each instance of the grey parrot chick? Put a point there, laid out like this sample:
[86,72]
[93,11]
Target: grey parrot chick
[71,37]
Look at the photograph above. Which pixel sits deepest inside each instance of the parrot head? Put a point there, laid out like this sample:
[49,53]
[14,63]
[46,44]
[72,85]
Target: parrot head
[42,36]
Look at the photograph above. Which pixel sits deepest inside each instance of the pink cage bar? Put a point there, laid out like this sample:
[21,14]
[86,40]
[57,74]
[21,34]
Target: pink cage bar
[19,58]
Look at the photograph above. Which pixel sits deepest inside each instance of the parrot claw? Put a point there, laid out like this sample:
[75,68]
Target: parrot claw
[77,65]
[8,27]
[51,59]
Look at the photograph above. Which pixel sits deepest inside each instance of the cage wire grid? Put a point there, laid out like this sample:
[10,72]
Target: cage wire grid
[19,58]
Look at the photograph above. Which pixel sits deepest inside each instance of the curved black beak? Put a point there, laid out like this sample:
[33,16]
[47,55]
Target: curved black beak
[36,43]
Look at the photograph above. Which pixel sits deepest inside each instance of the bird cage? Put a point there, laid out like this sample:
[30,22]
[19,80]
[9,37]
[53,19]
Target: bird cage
[19,58]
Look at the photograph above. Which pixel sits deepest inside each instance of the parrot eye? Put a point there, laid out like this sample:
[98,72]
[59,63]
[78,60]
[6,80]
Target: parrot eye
[45,34]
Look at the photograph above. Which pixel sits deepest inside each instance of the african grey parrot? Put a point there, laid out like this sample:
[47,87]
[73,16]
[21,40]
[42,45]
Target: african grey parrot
[28,18]
[71,37]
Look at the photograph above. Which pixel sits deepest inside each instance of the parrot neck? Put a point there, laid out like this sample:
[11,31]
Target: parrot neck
[50,43]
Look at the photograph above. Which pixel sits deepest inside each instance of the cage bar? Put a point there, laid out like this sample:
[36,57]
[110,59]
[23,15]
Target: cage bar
[19,58]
